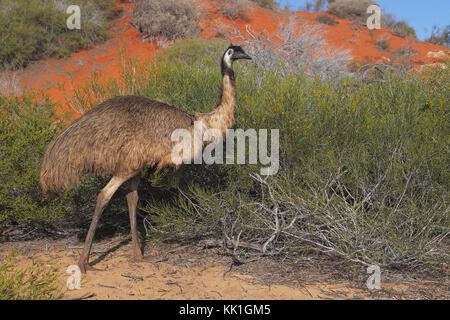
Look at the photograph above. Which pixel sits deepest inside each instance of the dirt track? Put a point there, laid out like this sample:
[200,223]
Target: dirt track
[178,272]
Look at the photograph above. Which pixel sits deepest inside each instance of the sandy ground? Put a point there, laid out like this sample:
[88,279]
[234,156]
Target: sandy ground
[184,272]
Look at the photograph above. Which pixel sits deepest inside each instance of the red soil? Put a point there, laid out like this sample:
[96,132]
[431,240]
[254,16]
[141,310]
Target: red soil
[58,77]
[362,41]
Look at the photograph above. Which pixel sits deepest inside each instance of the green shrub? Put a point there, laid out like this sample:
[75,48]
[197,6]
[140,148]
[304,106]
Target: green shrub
[27,125]
[324,19]
[26,128]
[268,4]
[405,51]
[402,29]
[32,30]
[354,10]
[352,152]
[383,44]
[399,28]
[36,282]
[169,19]
[193,51]
[235,9]
[440,36]
[318,5]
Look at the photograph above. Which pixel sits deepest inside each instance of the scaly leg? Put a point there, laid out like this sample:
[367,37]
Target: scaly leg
[132,200]
[102,200]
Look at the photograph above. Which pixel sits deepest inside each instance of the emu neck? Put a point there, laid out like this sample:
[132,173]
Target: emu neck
[222,118]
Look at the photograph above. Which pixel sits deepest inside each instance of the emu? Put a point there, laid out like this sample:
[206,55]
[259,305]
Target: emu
[121,137]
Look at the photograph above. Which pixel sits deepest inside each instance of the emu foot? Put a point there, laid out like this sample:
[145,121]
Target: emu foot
[84,267]
[138,257]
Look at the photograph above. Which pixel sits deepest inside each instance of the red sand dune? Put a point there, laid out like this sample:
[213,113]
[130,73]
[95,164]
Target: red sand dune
[362,41]
[57,77]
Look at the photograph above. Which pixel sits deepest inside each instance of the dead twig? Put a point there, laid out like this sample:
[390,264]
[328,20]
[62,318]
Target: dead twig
[170,282]
[106,286]
[84,297]
[131,276]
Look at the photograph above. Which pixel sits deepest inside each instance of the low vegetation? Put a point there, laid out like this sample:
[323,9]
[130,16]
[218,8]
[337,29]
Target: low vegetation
[316,5]
[399,28]
[440,36]
[356,183]
[27,125]
[234,9]
[357,180]
[383,45]
[354,10]
[36,282]
[167,19]
[325,19]
[405,51]
[26,128]
[34,29]
[268,4]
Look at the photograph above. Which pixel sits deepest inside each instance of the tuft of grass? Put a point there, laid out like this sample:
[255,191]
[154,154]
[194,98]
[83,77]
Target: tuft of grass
[10,84]
[234,9]
[383,44]
[325,19]
[194,51]
[35,29]
[405,51]
[36,282]
[399,28]
[167,19]
[354,10]
[27,125]
[26,128]
[440,36]
[268,4]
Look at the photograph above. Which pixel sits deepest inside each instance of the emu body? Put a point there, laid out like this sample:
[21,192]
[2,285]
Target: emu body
[121,137]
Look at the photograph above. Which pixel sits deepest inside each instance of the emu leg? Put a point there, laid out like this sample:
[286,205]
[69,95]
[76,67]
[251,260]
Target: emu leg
[132,200]
[102,200]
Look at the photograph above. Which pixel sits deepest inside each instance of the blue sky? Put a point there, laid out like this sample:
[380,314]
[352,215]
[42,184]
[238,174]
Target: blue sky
[420,14]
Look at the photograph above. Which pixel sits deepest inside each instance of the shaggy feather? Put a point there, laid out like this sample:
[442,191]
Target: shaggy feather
[119,137]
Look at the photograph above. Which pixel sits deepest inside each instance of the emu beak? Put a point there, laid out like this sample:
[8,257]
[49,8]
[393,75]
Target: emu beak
[243,55]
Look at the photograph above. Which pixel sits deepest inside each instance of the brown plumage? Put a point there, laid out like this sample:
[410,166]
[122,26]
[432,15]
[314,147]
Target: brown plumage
[124,135]
[120,136]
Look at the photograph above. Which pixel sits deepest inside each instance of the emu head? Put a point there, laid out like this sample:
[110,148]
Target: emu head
[233,53]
